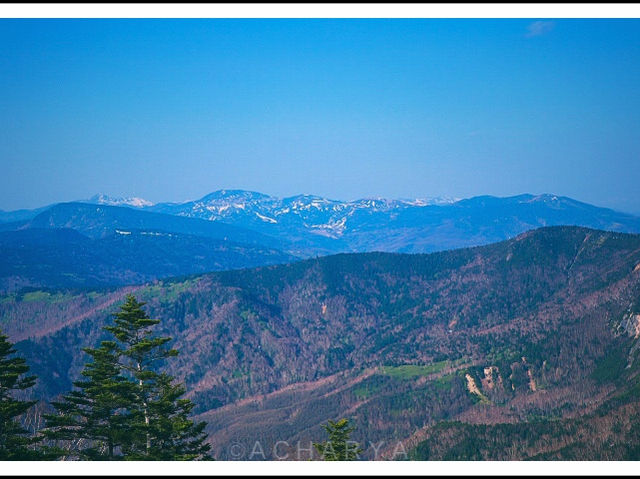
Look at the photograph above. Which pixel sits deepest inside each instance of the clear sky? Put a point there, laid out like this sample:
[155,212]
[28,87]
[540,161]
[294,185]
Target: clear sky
[170,110]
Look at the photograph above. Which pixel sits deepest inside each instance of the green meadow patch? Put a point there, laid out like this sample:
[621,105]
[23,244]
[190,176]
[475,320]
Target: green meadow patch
[44,296]
[167,292]
[411,371]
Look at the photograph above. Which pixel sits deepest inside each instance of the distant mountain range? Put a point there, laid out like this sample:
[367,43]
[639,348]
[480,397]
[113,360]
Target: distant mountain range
[376,224]
[417,225]
[267,229]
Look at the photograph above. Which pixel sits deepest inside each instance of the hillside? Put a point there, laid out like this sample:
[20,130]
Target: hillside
[610,433]
[98,221]
[540,326]
[84,245]
[59,258]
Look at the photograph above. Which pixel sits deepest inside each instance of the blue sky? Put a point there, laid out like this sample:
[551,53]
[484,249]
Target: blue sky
[170,110]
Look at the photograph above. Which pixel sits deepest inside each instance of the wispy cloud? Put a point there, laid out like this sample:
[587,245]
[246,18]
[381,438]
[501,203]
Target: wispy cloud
[540,27]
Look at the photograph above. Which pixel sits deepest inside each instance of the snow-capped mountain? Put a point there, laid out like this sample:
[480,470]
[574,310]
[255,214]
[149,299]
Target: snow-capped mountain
[310,213]
[133,202]
[318,225]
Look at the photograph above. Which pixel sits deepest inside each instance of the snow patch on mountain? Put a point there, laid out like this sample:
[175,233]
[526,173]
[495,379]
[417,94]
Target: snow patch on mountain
[265,218]
[433,201]
[332,229]
[133,201]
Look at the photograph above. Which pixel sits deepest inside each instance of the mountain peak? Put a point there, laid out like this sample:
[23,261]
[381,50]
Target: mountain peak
[233,194]
[134,202]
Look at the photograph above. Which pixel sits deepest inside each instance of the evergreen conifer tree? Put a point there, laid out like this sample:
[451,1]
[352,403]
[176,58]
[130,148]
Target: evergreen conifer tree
[94,419]
[126,408]
[338,446]
[162,430]
[170,434]
[14,439]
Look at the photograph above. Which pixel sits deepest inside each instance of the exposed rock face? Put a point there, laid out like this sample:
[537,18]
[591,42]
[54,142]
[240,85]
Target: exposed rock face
[532,382]
[630,324]
[492,378]
[472,387]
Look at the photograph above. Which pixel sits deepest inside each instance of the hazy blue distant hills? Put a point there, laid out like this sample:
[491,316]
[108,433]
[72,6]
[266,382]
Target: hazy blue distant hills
[20,215]
[98,221]
[37,257]
[81,244]
[100,199]
[477,221]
